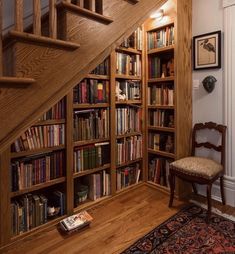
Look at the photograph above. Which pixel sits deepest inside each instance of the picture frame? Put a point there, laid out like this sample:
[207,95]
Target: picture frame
[207,51]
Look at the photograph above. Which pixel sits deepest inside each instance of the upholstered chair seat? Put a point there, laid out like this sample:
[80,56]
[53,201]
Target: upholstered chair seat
[198,166]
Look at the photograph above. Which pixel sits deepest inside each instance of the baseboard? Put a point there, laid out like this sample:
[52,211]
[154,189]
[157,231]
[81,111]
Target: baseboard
[229,188]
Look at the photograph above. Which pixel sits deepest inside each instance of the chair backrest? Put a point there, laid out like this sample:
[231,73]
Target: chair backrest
[221,129]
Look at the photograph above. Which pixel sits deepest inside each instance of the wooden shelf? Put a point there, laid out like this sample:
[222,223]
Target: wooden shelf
[89,203]
[161,50]
[156,80]
[86,13]
[129,50]
[130,187]
[158,128]
[91,171]
[87,105]
[162,153]
[38,187]
[37,151]
[130,77]
[160,107]
[129,163]
[129,135]
[96,76]
[49,122]
[27,37]
[160,27]
[39,228]
[89,142]
[129,102]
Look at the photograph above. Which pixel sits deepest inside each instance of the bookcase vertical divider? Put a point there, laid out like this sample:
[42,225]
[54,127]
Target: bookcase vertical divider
[113,121]
[5,214]
[144,105]
[69,153]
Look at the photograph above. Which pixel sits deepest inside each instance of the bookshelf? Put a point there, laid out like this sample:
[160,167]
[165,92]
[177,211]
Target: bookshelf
[105,131]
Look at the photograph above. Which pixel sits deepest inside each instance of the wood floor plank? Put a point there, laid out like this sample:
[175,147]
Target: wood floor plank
[117,224]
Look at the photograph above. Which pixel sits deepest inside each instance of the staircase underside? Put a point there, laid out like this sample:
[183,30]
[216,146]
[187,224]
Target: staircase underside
[56,71]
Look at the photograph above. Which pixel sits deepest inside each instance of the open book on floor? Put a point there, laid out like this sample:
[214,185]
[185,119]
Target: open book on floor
[75,222]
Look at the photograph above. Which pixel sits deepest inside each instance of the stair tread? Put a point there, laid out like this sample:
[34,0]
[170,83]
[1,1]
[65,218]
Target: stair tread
[16,80]
[42,39]
[85,12]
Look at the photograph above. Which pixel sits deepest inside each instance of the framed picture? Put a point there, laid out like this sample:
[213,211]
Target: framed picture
[207,51]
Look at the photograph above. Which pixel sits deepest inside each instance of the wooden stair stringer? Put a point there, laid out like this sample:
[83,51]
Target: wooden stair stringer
[56,71]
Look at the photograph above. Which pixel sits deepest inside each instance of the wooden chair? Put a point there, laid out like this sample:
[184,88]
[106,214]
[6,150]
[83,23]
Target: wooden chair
[201,170]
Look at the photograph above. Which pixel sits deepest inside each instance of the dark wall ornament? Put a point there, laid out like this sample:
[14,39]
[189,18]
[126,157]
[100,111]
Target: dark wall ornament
[209,83]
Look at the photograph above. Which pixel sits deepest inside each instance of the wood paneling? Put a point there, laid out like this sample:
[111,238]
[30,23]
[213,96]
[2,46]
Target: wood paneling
[117,224]
[64,69]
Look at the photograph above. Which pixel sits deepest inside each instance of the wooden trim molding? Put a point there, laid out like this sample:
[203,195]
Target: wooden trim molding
[227,3]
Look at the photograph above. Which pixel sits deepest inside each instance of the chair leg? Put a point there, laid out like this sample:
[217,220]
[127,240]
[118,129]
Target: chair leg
[172,187]
[222,189]
[194,188]
[209,202]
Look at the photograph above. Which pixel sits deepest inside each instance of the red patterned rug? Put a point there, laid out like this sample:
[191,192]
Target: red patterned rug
[187,232]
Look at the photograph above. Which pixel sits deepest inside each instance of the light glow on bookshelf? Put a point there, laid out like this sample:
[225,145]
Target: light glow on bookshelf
[157,15]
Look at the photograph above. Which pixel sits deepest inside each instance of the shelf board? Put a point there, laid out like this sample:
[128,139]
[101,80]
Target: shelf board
[38,187]
[161,50]
[156,80]
[37,151]
[129,135]
[131,77]
[156,28]
[160,107]
[89,105]
[158,128]
[129,102]
[129,50]
[89,203]
[132,186]
[129,163]
[89,142]
[162,153]
[49,122]
[39,228]
[91,171]
[96,76]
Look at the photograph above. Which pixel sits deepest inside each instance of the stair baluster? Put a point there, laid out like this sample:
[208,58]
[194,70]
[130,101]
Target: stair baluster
[37,17]
[52,19]
[99,6]
[19,26]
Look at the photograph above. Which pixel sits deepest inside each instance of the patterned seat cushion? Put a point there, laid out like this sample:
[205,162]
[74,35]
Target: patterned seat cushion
[197,166]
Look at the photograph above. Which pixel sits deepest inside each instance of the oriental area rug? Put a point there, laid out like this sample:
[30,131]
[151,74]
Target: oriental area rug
[187,232]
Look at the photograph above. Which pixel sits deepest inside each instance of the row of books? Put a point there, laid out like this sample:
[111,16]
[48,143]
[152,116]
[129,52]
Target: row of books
[161,38]
[40,137]
[92,187]
[161,118]
[128,120]
[91,124]
[128,149]
[128,90]
[135,40]
[92,156]
[161,95]
[57,112]
[31,171]
[161,141]
[31,210]
[160,67]
[159,171]
[127,176]
[103,68]
[91,91]
[128,64]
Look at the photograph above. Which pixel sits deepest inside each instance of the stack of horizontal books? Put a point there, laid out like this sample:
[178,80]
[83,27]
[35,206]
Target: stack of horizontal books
[75,222]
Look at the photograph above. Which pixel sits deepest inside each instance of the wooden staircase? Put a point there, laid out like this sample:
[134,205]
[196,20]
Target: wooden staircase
[41,65]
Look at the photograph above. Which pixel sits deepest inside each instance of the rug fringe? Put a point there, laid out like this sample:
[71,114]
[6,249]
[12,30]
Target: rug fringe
[214,210]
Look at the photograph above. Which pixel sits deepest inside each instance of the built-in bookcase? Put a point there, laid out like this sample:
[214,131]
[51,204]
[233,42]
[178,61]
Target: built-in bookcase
[118,128]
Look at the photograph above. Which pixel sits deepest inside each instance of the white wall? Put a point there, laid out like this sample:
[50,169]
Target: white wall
[208,17]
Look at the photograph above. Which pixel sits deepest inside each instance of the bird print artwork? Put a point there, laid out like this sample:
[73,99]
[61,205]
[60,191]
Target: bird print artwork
[208,46]
[207,51]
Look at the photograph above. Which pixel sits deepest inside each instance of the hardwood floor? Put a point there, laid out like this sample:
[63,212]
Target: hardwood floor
[117,224]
